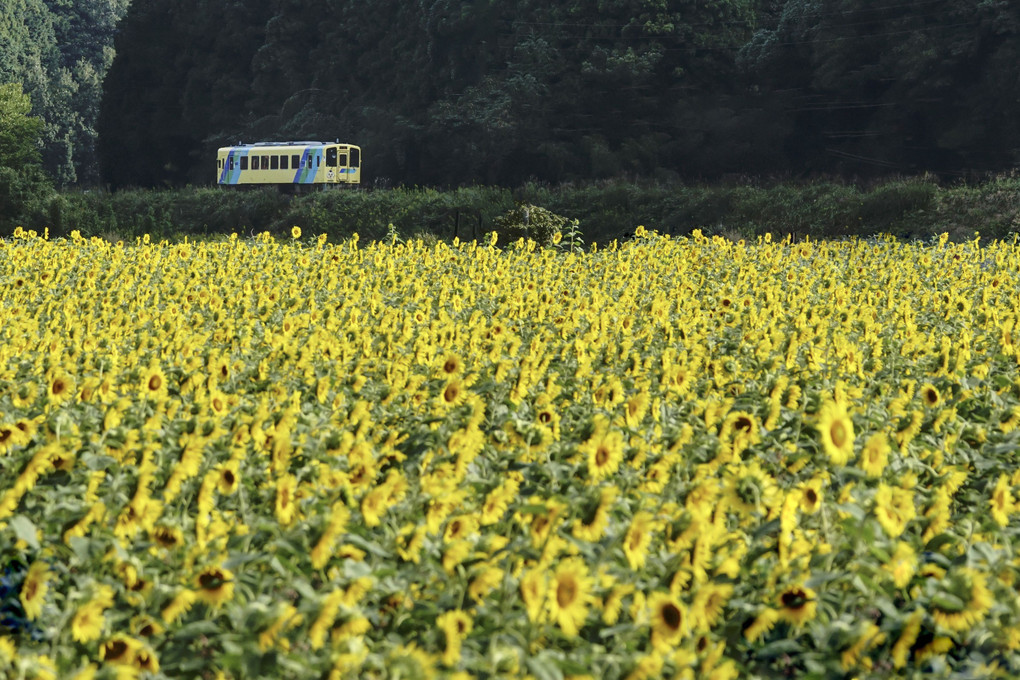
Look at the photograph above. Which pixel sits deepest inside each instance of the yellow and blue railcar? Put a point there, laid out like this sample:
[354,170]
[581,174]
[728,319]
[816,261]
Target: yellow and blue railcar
[289,164]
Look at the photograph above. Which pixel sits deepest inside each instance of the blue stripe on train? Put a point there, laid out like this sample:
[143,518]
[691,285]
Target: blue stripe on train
[306,175]
[232,175]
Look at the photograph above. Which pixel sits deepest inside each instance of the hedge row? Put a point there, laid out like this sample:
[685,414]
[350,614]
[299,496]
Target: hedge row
[905,207]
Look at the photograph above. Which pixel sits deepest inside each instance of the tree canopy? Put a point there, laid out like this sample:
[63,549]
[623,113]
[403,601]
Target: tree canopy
[60,50]
[453,92]
[19,132]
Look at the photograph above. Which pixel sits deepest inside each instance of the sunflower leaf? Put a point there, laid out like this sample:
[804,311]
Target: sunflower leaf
[25,530]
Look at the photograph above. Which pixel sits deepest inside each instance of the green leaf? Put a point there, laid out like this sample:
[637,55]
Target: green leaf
[779,648]
[544,668]
[25,530]
[938,541]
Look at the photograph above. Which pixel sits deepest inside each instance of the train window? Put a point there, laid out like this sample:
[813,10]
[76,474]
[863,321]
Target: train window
[295,161]
[274,162]
[230,163]
[355,158]
[331,157]
[265,162]
[244,162]
[254,162]
[343,160]
[283,162]
[309,162]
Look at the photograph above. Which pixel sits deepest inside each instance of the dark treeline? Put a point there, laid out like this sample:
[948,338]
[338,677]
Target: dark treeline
[450,92]
[57,52]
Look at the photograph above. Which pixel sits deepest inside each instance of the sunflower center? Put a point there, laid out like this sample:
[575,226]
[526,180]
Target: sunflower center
[838,433]
[155,382]
[566,591]
[114,650]
[228,477]
[601,456]
[671,616]
[211,580]
[450,393]
[794,599]
[811,495]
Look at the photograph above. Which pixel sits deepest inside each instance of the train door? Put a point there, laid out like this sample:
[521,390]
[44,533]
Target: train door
[334,169]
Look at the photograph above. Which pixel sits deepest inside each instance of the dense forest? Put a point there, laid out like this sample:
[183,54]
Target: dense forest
[452,92]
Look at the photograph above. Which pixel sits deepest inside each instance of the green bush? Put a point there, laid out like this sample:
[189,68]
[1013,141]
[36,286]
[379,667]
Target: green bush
[604,210]
[530,222]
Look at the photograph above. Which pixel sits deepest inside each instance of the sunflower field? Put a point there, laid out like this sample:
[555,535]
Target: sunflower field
[687,457]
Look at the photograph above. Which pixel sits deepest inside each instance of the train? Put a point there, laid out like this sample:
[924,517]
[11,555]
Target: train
[289,165]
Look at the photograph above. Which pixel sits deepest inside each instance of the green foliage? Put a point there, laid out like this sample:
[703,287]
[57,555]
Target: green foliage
[60,51]
[529,222]
[19,131]
[23,185]
[598,213]
[24,193]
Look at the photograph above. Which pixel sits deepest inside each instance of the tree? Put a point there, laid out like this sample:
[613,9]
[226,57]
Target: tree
[23,185]
[19,131]
[873,88]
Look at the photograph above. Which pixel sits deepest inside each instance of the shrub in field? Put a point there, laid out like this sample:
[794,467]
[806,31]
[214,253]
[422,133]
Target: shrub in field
[529,222]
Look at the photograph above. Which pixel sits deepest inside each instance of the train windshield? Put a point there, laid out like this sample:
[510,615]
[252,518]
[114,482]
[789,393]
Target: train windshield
[331,157]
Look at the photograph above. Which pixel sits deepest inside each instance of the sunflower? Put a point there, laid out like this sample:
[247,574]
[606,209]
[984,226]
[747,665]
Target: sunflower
[930,395]
[740,430]
[638,538]
[24,395]
[153,383]
[709,602]
[456,624]
[894,508]
[964,601]
[87,623]
[145,659]
[33,590]
[534,587]
[227,479]
[295,232]
[570,595]
[8,438]
[450,364]
[837,432]
[167,537]
[454,393]
[902,565]
[1002,502]
[214,585]
[797,604]
[119,650]
[750,489]
[594,515]
[668,618]
[761,624]
[286,507]
[901,649]
[635,409]
[875,455]
[60,387]
[811,496]
[604,453]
